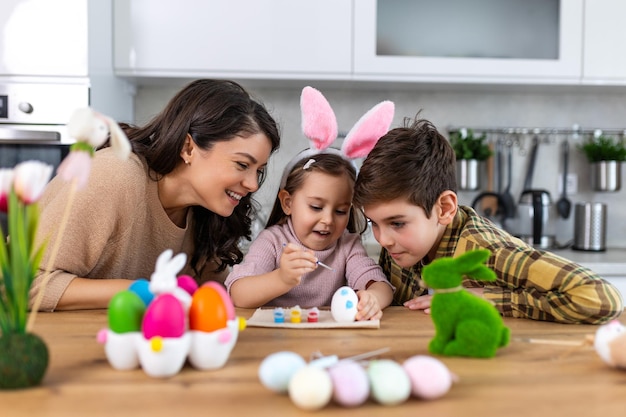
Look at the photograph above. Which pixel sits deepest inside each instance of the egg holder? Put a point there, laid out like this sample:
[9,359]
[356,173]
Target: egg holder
[350,382]
[159,324]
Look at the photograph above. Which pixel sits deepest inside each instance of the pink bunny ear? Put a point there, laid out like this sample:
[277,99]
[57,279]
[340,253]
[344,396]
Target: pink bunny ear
[366,132]
[319,123]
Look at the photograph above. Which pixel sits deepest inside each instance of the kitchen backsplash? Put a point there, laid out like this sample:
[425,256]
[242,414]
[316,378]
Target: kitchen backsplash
[530,107]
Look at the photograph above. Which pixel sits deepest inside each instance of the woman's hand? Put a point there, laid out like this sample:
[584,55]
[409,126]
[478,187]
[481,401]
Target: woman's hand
[295,261]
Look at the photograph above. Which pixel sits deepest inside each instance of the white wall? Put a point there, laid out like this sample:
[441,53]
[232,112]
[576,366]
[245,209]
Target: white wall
[456,106]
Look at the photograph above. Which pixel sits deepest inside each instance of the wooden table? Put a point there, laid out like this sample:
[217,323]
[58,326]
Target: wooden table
[523,379]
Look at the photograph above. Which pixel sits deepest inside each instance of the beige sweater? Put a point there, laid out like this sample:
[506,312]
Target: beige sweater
[117,227]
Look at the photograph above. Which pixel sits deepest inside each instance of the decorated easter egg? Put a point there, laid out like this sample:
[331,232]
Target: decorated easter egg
[211,307]
[430,378]
[187,283]
[389,383]
[343,305]
[165,317]
[126,311]
[141,287]
[310,388]
[350,383]
[604,336]
[276,370]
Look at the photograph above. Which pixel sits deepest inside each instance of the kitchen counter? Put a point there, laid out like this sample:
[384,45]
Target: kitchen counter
[608,263]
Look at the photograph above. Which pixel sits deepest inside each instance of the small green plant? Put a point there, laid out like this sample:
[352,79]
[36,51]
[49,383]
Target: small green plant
[603,148]
[468,146]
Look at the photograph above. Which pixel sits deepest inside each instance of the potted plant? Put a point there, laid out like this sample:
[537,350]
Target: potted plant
[605,154]
[470,150]
[23,354]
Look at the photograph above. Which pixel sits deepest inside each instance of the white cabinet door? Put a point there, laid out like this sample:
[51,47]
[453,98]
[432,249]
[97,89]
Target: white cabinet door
[43,38]
[605,42]
[487,41]
[255,38]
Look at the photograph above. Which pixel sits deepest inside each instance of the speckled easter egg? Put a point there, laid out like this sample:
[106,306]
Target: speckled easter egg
[211,307]
[276,370]
[310,388]
[125,312]
[165,317]
[430,378]
[389,383]
[343,305]
[350,383]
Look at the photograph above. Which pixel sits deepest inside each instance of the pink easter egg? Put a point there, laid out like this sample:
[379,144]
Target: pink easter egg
[350,383]
[165,317]
[187,283]
[430,378]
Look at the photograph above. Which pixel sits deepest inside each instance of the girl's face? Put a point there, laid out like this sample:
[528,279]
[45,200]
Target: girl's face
[218,178]
[319,209]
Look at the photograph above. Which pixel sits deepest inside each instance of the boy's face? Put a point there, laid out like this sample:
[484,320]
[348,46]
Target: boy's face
[404,230]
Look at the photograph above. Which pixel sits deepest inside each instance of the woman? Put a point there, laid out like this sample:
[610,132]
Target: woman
[187,187]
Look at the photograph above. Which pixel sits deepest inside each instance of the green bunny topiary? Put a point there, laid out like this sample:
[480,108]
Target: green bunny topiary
[465,324]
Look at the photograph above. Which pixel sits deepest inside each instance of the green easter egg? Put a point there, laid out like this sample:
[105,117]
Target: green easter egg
[126,311]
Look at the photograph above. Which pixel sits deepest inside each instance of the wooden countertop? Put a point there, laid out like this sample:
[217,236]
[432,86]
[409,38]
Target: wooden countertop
[523,379]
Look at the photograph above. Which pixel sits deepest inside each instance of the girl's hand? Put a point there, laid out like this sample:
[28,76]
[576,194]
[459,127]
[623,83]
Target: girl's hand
[295,261]
[368,307]
[420,303]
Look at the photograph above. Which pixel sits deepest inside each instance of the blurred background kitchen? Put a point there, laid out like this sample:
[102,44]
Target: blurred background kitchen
[514,68]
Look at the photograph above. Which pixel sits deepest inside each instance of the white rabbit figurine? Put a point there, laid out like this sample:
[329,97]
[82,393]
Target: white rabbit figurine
[164,278]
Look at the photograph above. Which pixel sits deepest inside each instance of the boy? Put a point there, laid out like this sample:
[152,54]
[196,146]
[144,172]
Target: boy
[407,189]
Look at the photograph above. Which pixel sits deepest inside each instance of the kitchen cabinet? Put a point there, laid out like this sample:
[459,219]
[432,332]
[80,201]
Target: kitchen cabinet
[65,42]
[237,38]
[487,41]
[43,38]
[605,37]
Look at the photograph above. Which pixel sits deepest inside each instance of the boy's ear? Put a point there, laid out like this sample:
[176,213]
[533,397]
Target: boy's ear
[447,205]
[285,201]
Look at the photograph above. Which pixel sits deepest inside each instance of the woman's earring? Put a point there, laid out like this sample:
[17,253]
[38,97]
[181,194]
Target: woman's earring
[187,162]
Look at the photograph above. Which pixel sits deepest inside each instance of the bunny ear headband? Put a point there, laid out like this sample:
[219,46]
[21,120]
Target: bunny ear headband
[319,125]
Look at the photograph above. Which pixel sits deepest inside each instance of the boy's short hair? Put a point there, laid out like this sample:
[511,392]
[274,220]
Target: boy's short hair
[414,162]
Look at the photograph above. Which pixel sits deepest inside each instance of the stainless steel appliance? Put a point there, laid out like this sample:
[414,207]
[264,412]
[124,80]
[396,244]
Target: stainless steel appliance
[590,226]
[32,122]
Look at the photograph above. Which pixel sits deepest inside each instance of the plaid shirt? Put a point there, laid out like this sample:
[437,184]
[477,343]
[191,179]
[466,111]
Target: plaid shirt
[531,283]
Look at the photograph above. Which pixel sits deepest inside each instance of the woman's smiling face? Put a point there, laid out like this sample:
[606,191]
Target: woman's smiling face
[221,176]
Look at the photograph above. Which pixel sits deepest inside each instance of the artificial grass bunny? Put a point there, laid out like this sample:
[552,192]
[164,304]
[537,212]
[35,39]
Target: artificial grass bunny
[465,324]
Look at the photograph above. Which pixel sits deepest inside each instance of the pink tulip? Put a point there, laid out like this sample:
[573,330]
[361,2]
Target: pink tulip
[6,181]
[76,166]
[31,177]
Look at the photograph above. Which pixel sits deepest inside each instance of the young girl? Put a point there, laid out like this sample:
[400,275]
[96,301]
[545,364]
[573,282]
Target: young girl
[312,222]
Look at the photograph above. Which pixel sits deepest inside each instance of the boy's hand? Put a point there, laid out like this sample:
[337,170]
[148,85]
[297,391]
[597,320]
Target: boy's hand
[295,261]
[420,303]
[368,307]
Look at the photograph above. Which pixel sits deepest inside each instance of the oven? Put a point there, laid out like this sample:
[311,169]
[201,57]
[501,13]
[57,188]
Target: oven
[33,119]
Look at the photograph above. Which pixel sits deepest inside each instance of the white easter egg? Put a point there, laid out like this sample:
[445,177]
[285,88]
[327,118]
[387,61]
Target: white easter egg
[604,335]
[389,383]
[343,305]
[276,370]
[310,388]
[430,378]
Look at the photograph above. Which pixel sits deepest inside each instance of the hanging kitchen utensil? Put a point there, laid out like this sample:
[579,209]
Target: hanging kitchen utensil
[508,202]
[564,205]
[531,164]
[489,201]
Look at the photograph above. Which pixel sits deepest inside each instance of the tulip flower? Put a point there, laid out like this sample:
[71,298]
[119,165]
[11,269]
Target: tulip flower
[6,182]
[30,179]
